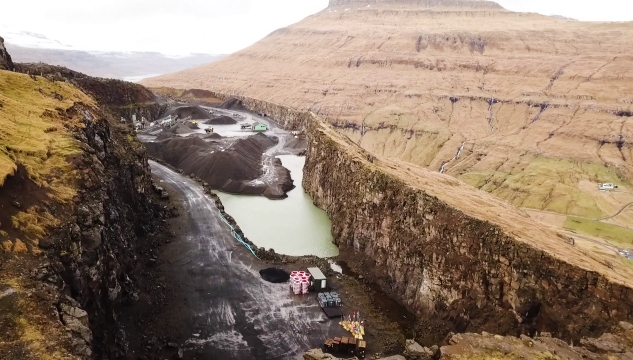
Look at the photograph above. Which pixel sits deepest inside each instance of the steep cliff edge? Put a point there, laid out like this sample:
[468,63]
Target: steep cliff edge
[421,236]
[76,217]
[5,58]
[450,253]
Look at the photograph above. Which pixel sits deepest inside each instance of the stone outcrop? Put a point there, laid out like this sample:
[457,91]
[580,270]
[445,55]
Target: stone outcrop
[618,344]
[113,214]
[431,242]
[5,58]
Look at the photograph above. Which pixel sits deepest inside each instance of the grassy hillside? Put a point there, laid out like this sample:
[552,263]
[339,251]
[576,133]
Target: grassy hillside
[36,121]
[34,130]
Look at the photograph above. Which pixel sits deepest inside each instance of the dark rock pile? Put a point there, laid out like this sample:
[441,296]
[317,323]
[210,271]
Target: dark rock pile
[221,120]
[228,169]
[274,275]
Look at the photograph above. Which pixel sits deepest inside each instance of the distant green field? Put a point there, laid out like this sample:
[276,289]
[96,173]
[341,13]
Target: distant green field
[616,235]
[546,184]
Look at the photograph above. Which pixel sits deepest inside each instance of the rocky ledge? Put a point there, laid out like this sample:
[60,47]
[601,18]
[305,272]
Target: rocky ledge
[86,266]
[5,58]
[456,271]
[439,262]
[617,344]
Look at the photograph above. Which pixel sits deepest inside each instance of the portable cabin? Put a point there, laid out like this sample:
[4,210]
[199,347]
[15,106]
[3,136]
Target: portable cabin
[260,127]
[318,280]
[607,187]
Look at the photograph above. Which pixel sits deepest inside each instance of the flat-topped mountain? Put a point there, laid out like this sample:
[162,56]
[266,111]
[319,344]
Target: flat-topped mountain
[533,109]
[482,4]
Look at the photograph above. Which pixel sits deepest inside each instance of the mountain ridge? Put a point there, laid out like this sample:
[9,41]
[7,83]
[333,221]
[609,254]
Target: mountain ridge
[481,4]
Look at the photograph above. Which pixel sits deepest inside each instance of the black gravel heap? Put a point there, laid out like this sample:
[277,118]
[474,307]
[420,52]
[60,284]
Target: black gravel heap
[274,275]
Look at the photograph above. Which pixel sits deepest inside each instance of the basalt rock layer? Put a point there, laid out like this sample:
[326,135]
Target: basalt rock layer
[76,239]
[446,250]
[530,108]
[441,258]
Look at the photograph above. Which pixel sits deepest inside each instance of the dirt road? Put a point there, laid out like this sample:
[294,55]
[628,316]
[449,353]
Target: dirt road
[226,310]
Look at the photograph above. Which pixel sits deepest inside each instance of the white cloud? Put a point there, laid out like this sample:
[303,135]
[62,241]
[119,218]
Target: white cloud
[168,26]
[585,10]
[214,26]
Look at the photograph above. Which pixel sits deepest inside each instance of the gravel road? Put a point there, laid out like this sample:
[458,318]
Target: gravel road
[223,306]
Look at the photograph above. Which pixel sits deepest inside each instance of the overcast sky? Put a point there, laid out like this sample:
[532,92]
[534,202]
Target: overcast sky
[213,26]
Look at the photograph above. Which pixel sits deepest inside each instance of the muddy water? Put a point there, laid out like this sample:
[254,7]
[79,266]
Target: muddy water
[293,226]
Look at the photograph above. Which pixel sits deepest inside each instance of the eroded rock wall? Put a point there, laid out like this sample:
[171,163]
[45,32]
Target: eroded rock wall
[437,261]
[114,213]
[5,58]
[107,233]
[286,117]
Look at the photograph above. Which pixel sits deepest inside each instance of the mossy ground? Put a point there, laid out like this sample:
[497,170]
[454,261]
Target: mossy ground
[34,130]
[548,184]
[29,330]
[36,134]
[616,235]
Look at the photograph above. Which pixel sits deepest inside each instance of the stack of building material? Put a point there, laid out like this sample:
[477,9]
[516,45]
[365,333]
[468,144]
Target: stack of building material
[329,299]
[299,282]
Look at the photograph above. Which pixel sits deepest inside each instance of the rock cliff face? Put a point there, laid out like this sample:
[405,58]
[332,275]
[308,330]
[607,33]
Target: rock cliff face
[99,247]
[440,261]
[450,252]
[5,58]
[98,229]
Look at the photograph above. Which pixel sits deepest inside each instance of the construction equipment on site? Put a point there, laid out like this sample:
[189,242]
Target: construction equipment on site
[346,346]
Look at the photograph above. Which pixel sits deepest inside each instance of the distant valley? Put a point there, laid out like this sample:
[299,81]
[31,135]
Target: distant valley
[28,47]
[132,66]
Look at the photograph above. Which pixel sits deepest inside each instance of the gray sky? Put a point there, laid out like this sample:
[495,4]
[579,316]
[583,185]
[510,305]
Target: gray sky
[213,26]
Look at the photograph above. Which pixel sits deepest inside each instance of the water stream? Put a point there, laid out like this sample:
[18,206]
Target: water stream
[293,226]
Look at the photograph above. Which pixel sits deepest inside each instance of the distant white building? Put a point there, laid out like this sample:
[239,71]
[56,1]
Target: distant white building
[607,187]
